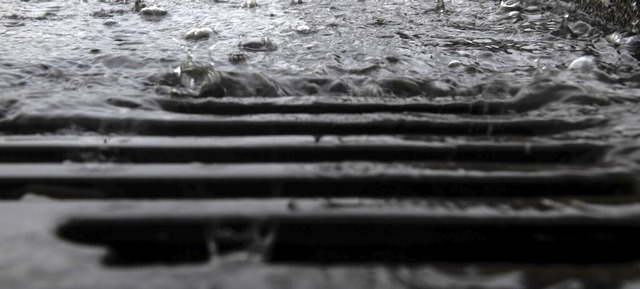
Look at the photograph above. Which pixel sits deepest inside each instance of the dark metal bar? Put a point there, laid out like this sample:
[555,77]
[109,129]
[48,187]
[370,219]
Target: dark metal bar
[390,180]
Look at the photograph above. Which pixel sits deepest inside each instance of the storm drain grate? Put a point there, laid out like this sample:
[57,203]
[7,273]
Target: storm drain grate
[392,184]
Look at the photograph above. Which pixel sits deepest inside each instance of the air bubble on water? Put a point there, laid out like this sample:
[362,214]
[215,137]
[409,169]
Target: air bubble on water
[153,10]
[583,64]
[507,6]
[454,64]
[514,14]
[303,28]
[110,22]
[199,33]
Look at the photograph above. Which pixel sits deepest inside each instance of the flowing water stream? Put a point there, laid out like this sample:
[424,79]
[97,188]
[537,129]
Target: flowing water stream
[103,57]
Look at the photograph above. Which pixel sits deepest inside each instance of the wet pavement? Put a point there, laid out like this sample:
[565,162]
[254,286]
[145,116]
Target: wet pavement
[303,144]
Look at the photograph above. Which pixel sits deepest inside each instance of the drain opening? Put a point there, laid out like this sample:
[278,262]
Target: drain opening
[348,240]
[170,242]
[453,186]
[455,243]
[167,152]
[146,253]
[131,244]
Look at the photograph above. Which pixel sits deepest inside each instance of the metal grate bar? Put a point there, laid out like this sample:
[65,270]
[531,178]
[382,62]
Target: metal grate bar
[298,125]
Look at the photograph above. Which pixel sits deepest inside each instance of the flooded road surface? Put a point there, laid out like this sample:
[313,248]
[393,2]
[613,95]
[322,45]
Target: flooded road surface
[64,56]
[464,126]
[104,59]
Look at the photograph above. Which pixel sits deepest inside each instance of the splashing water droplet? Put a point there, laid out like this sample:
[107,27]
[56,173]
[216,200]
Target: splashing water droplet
[540,68]
[199,33]
[303,28]
[440,6]
[262,44]
[198,78]
[249,4]
[237,57]
[250,242]
[564,30]
[154,11]
[138,5]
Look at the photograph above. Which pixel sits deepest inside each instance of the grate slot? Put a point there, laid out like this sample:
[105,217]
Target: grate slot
[134,243]
[326,105]
[291,149]
[468,243]
[394,180]
[355,239]
[298,125]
